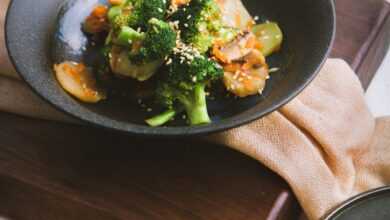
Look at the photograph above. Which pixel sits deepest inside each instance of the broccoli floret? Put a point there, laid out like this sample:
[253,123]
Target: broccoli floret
[199,22]
[121,15]
[184,86]
[160,39]
[137,13]
[144,10]
[120,21]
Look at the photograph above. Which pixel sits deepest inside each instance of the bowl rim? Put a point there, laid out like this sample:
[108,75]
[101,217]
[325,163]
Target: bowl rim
[350,203]
[180,131]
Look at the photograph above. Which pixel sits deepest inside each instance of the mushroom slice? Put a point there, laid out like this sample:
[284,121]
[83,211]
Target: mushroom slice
[76,79]
[248,82]
[239,47]
[254,59]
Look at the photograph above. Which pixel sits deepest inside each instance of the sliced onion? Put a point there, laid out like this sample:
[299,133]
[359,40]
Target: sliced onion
[234,13]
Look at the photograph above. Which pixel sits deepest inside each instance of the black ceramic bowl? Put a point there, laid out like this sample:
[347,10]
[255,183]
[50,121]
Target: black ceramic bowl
[373,205]
[308,26]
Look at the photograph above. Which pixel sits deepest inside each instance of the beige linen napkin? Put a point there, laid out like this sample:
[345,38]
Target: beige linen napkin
[325,143]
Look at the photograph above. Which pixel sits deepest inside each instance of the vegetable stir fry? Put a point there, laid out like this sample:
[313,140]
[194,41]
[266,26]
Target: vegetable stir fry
[185,47]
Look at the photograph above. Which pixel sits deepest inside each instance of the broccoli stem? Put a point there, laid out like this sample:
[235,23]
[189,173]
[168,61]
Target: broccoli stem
[196,107]
[161,119]
[127,35]
[194,104]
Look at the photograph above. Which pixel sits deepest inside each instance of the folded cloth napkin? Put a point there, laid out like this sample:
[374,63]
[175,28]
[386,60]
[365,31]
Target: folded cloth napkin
[325,143]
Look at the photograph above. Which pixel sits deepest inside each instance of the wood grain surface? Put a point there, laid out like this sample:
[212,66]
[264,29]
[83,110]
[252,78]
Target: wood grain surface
[51,171]
[362,37]
[92,173]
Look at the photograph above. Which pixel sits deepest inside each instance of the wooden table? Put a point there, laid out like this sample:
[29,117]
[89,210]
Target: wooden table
[51,171]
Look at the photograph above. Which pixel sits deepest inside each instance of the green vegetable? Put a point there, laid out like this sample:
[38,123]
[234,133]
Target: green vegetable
[162,118]
[114,12]
[270,36]
[120,15]
[142,62]
[127,35]
[136,13]
[109,38]
[199,22]
[185,85]
[121,20]
[121,65]
[144,10]
[160,39]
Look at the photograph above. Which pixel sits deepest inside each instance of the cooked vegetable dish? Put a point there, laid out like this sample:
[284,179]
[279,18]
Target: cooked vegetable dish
[183,50]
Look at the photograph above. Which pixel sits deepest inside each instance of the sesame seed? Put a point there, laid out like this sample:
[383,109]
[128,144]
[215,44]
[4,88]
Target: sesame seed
[236,74]
[275,69]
